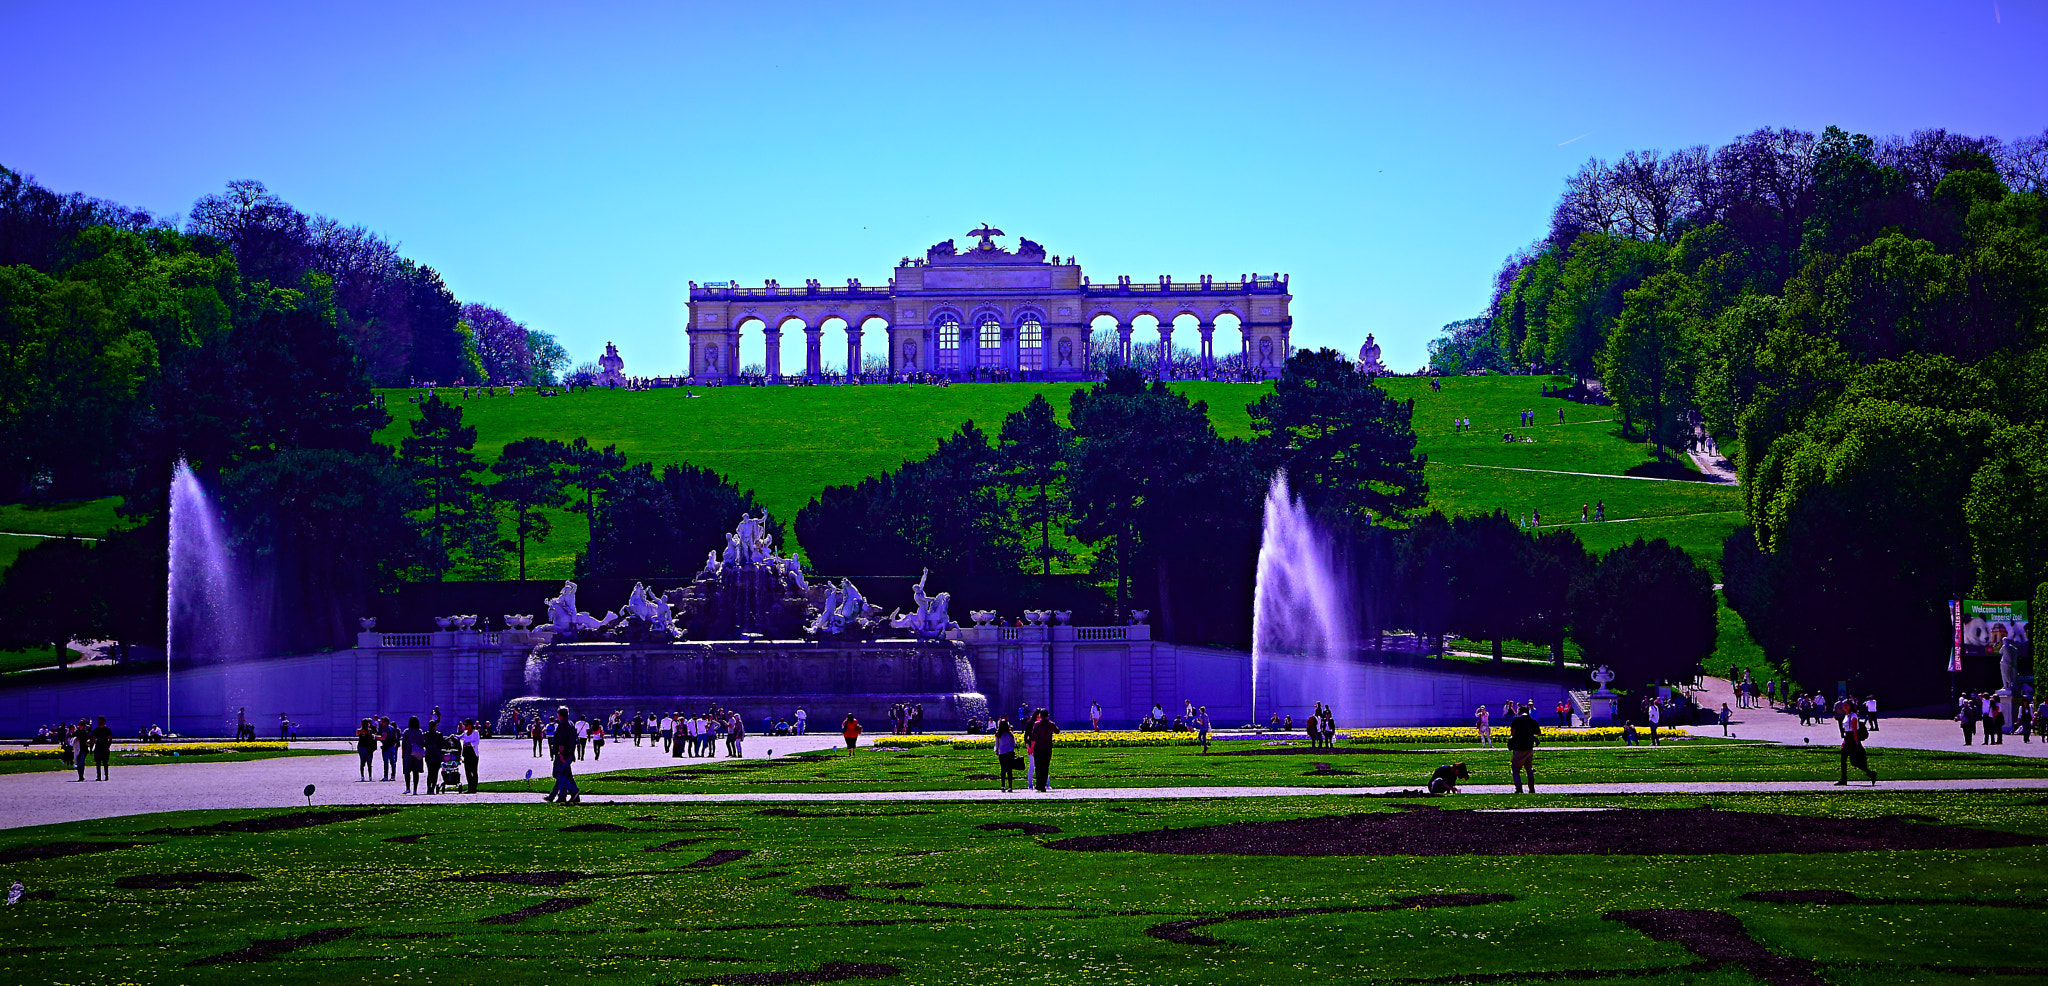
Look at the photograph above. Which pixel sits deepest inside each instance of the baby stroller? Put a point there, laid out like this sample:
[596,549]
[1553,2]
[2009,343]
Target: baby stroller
[451,769]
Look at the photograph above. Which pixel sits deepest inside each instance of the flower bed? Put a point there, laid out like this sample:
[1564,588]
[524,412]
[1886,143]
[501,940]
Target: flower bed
[154,749]
[1377,736]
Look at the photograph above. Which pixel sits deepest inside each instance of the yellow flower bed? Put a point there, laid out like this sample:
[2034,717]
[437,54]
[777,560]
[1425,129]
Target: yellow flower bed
[1386,736]
[154,749]
[1470,734]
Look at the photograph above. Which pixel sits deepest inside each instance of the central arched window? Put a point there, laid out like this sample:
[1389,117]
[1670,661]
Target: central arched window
[989,339]
[949,344]
[1031,345]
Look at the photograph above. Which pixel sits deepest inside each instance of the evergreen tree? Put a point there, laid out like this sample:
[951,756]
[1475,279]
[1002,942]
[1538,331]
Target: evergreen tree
[458,527]
[1347,446]
[1647,610]
[1034,450]
[533,477]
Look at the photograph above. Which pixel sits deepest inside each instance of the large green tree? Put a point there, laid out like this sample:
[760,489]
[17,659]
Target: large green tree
[1034,446]
[1348,446]
[458,528]
[533,478]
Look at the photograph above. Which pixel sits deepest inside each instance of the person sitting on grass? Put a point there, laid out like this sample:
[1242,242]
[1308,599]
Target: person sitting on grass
[1446,778]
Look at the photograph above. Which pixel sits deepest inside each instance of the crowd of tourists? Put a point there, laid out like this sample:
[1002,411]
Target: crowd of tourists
[428,759]
[1988,711]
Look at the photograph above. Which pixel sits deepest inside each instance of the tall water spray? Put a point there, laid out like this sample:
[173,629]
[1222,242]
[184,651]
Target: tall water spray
[1301,604]
[205,598]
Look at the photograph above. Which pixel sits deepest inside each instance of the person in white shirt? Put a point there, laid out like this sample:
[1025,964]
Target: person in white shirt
[472,746]
[803,720]
[582,737]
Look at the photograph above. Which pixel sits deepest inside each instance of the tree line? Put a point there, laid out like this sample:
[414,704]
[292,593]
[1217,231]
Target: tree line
[1861,325]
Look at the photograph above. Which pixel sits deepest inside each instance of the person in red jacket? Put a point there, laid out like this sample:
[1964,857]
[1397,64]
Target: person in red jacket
[851,730]
[1041,733]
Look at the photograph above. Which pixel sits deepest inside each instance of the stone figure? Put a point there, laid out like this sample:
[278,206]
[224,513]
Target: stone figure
[830,619]
[943,248]
[1066,352]
[1369,358]
[564,617]
[796,572]
[611,367]
[656,611]
[2009,665]
[929,619]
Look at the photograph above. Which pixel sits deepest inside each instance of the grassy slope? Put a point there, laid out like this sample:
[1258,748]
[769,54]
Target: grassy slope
[654,920]
[940,769]
[788,443]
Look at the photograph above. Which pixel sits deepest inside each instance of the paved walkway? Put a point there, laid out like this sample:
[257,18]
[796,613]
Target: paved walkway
[55,797]
[1780,726]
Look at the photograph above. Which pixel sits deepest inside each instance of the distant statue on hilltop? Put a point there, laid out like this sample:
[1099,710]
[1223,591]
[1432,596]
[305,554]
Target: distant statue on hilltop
[1369,358]
[611,367]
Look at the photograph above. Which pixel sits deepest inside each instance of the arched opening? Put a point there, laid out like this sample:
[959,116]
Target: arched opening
[867,345]
[1144,354]
[1227,349]
[831,359]
[946,343]
[1184,360]
[790,349]
[988,344]
[1103,351]
[1031,344]
[750,348]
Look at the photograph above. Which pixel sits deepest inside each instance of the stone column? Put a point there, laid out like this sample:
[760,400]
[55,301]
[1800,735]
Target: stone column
[774,361]
[731,357]
[1165,350]
[1012,341]
[1208,331]
[814,353]
[1123,345]
[852,349]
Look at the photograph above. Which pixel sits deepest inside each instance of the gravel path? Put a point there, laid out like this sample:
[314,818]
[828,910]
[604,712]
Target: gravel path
[54,797]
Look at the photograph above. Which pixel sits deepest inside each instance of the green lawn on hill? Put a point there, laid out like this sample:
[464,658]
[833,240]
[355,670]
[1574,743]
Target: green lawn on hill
[788,443]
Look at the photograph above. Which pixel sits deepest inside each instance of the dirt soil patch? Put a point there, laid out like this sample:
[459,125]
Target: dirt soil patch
[830,972]
[595,827]
[1720,938]
[277,823]
[188,880]
[536,878]
[59,850]
[1621,831]
[721,857]
[1028,828]
[552,905]
[266,949]
[800,813]
[406,840]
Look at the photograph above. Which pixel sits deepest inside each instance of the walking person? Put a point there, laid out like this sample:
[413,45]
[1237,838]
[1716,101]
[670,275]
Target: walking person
[1853,735]
[77,737]
[597,741]
[388,743]
[1724,718]
[736,738]
[412,739]
[1042,731]
[850,729]
[1094,716]
[1967,715]
[1523,735]
[472,747]
[1006,756]
[562,754]
[102,748]
[1482,719]
[538,734]
[1655,713]
[435,742]
[1202,727]
[366,751]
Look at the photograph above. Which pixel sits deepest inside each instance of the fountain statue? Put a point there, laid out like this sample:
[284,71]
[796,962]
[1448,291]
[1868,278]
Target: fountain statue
[566,621]
[929,618]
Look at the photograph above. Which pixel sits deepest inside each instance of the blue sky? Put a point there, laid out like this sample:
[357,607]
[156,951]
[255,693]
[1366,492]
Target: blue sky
[579,165]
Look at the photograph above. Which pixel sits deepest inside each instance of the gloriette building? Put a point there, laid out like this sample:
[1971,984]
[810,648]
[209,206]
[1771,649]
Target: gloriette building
[957,313]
